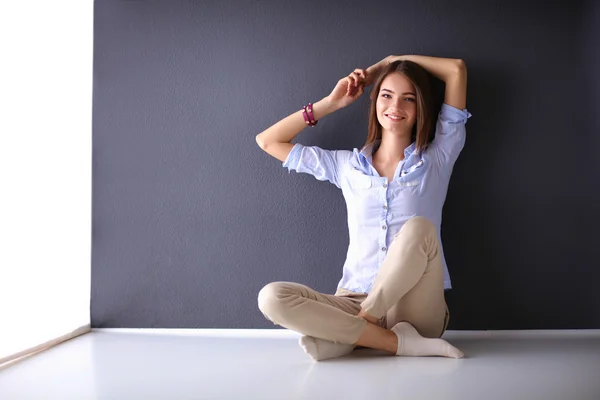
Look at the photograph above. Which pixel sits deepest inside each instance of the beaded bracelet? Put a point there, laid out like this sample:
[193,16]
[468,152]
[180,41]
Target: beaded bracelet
[310,118]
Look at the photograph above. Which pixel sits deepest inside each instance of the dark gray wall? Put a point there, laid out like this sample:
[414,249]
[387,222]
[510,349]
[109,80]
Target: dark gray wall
[590,50]
[191,218]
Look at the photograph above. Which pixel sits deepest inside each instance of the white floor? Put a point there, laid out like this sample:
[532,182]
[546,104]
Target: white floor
[122,364]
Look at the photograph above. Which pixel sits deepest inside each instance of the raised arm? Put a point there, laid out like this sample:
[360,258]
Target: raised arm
[450,70]
[276,139]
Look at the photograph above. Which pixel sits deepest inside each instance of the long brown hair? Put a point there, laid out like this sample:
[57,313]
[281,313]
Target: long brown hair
[423,130]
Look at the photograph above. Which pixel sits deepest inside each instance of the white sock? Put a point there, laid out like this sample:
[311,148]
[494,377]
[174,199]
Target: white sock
[410,343]
[321,349]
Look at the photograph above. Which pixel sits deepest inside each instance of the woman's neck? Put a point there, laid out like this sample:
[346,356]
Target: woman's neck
[391,149]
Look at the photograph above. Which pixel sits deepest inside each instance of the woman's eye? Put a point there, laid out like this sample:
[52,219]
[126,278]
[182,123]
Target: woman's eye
[386,95]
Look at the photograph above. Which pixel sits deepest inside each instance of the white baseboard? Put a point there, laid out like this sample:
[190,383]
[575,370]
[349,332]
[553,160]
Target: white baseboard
[288,334]
[14,358]
[241,333]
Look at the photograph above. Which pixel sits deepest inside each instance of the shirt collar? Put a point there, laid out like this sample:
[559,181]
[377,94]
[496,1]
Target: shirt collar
[367,151]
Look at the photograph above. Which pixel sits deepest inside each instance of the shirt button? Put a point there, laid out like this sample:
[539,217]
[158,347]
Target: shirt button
[383,249]
[385,207]
[384,227]
[385,185]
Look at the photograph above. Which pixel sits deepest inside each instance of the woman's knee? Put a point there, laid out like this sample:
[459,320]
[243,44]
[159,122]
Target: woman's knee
[273,297]
[420,223]
[418,227]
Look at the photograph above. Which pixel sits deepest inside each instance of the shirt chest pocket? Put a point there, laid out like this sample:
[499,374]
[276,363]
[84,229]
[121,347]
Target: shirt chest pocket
[406,198]
[358,181]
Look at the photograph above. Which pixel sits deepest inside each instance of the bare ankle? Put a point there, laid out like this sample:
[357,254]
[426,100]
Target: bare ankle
[368,317]
[393,343]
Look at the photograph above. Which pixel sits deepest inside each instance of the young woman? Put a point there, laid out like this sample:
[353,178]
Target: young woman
[391,295]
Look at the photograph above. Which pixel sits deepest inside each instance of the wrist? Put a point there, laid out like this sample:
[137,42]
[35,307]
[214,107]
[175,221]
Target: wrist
[390,59]
[375,70]
[324,107]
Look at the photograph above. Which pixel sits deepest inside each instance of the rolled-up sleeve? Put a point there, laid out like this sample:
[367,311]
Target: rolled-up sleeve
[450,134]
[323,164]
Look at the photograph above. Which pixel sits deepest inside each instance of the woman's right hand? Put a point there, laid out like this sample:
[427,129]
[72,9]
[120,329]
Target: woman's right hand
[348,89]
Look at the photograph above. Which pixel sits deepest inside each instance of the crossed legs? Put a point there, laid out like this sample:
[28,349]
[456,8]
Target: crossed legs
[404,308]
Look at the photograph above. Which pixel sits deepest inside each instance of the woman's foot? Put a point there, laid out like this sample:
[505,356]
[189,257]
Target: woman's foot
[321,349]
[410,343]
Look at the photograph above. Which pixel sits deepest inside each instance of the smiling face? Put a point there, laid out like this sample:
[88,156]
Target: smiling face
[397,104]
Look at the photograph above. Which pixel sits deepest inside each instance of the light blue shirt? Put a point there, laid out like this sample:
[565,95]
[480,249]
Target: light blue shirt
[376,208]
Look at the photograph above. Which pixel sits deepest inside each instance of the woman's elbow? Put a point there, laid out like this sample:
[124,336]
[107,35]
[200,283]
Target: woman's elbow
[259,141]
[461,66]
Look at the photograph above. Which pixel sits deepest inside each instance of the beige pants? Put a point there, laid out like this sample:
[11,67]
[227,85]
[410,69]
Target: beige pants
[409,287]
